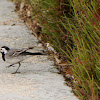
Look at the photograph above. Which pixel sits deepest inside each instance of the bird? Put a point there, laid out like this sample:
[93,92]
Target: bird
[16,56]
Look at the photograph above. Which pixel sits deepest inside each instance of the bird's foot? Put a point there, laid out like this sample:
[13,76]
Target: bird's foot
[16,72]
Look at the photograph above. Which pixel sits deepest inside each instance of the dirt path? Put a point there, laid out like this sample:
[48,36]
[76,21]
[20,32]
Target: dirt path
[38,79]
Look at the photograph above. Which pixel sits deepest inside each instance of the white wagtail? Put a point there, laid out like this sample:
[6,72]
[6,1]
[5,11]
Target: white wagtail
[15,56]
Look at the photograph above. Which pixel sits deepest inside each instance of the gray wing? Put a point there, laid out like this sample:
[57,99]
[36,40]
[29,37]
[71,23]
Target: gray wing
[16,52]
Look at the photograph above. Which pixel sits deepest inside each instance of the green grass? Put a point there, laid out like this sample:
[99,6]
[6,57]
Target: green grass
[73,28]
[85,56]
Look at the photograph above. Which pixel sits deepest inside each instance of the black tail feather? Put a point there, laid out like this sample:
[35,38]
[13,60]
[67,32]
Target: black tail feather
[30,53]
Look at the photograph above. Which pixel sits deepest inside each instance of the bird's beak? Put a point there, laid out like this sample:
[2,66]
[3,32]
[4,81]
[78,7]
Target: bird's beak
[0,49]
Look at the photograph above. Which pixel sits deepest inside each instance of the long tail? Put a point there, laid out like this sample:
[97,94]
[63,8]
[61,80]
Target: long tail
[30,53]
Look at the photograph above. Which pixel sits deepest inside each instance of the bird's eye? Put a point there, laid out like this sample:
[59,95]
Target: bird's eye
[1,50]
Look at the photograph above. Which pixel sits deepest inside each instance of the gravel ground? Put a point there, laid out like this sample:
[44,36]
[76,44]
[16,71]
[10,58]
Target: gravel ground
[38,79]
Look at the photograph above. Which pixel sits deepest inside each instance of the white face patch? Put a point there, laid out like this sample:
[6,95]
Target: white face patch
[3,50]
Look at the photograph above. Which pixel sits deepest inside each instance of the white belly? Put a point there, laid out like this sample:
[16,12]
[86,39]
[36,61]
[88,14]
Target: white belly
[14,60]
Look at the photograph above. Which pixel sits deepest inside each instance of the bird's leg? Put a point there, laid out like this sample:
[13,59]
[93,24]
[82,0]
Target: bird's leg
[17,69]
[10,66]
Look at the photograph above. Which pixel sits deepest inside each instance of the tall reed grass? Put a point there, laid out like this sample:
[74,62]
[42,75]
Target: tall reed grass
[85,56]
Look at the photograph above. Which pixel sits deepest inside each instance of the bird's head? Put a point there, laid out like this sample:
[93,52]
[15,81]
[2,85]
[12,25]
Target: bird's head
[4,49]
